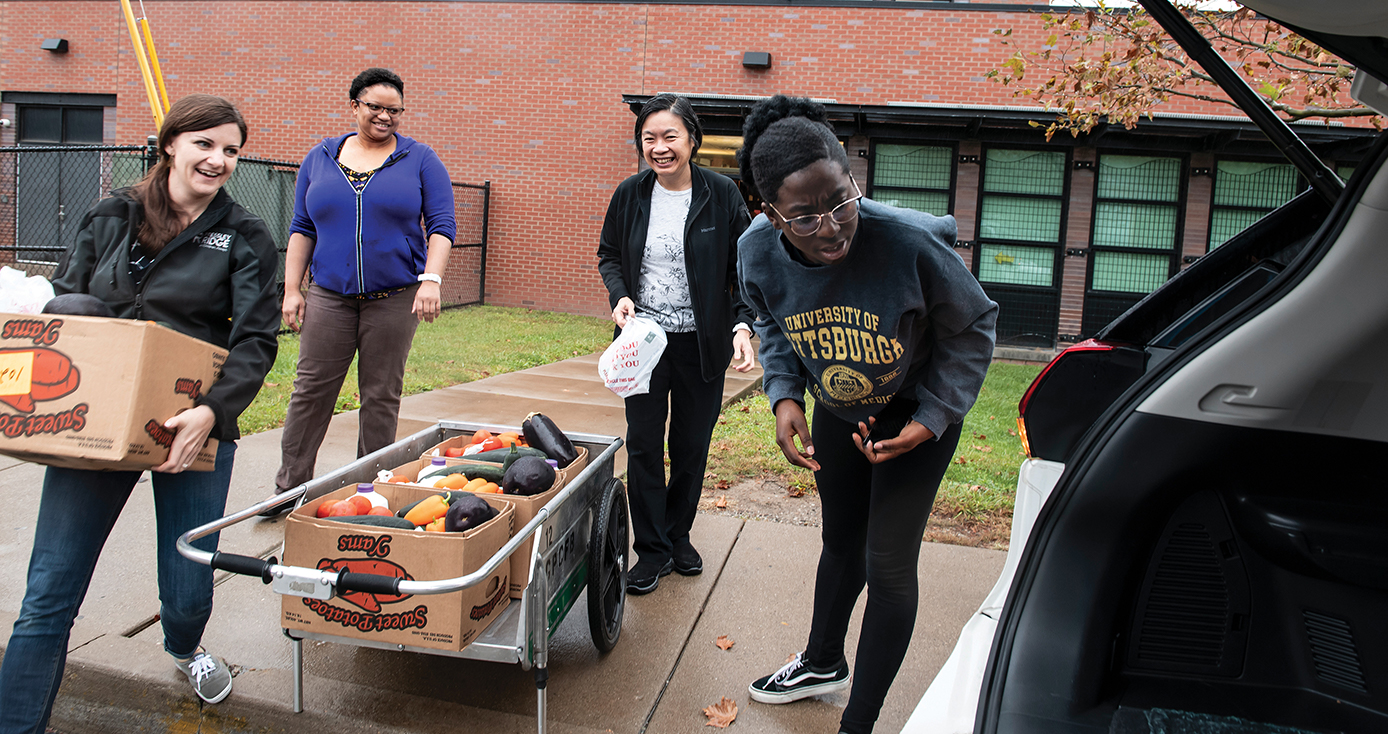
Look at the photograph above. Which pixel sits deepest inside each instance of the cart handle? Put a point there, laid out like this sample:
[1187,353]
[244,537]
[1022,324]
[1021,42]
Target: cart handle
[197,555]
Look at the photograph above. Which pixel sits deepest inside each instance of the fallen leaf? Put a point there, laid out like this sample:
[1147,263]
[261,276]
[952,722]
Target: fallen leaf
[722,502]
[992,417]
[449,361]
[272,384]
[961,461]
[980,437]
[722,713]
[745,409]
[976,487]
[724,642]
[1011,432]
[723,484]
[795,491]
[709,475]
[984,449]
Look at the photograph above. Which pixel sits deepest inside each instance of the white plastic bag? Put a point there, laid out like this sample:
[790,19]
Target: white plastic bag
[627,364]
[23,294]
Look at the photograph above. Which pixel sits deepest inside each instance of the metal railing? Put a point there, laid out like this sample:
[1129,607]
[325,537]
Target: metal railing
[46,190]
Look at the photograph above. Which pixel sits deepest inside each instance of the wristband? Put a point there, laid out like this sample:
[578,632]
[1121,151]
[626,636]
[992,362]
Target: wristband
[432,278]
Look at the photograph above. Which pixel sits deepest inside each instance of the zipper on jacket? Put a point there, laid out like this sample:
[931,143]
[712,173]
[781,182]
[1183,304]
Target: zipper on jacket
[361,276]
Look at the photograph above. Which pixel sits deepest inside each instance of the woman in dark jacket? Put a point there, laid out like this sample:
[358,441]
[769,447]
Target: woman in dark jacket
[175,249]
[359,201]
[669,252]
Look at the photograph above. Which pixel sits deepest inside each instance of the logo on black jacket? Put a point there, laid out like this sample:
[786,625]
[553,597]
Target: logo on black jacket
[219,241]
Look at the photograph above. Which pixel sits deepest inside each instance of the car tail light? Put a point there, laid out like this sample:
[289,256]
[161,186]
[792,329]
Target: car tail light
[1088,345]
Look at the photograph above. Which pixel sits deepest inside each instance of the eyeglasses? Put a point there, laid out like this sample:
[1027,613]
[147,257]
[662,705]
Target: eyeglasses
[377,109]
[810,223]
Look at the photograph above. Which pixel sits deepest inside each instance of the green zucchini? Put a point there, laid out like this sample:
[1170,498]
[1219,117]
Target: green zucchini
[380,521]
[499,455]
[489,472]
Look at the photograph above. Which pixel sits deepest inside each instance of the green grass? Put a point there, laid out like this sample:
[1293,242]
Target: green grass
[462,345]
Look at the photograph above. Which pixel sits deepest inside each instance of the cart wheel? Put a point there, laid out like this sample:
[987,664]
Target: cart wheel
[607,567]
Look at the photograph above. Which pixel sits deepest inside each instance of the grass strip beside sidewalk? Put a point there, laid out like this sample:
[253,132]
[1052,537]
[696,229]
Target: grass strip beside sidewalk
[461,345]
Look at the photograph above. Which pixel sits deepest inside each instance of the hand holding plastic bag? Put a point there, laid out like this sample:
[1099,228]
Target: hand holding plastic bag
[627,364]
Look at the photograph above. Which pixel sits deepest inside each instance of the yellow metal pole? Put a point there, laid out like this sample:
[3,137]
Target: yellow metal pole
[144,63]
[154,61]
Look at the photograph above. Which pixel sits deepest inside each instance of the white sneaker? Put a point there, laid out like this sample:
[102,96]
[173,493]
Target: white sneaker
[210,676]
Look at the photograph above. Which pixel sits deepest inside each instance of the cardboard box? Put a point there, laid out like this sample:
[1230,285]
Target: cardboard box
[439,621]
[526,508]
[91,393]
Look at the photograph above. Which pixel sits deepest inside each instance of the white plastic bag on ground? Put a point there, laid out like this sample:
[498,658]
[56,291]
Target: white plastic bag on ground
[627,364]
[20,293]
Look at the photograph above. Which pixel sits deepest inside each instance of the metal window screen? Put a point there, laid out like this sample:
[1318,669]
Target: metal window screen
[930,202]
[912,166]
[1018,218]
[1134,225]
[1034,172]
[1225,223]
[1261,185]
[1016,265]
[1129,272]
[1139,178]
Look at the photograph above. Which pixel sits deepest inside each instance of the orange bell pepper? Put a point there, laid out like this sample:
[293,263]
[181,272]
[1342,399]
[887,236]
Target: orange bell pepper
[431,509]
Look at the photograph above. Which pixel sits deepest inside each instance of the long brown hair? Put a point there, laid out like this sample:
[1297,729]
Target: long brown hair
[190,114]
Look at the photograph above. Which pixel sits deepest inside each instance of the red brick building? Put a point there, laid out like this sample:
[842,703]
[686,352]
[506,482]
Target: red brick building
[538,99]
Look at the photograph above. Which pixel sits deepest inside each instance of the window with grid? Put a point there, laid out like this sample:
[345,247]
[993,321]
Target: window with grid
[1244,192]
[1136,208]
[1019,216]
[918,177]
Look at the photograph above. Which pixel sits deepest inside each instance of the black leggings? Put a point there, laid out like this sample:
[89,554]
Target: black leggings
[874,519]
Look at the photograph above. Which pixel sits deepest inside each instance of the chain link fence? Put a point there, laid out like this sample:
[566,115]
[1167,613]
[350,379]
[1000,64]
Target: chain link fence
[45,191]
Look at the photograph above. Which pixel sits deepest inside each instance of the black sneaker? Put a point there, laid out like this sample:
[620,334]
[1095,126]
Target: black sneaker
[645,576]
[687,560]
[797,680]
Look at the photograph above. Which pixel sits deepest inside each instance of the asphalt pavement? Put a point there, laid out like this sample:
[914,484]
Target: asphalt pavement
[756,589]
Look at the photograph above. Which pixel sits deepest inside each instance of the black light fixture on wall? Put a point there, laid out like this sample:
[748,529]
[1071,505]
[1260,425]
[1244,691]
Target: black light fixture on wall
[56,45]
[756,59]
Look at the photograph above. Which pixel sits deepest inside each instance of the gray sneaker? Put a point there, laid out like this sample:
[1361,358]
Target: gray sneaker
[210,676]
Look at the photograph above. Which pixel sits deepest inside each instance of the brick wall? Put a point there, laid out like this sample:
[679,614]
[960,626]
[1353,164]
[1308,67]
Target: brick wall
[526,95]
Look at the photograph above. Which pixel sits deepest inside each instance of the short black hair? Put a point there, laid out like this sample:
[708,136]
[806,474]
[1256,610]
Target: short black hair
[373,76]
[682,108]
[782,135]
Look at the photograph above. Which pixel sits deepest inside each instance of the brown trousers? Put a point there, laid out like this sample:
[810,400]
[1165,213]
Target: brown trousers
[337,328]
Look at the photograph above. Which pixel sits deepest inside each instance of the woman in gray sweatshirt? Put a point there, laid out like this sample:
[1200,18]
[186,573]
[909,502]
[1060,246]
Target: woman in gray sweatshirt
[868,307]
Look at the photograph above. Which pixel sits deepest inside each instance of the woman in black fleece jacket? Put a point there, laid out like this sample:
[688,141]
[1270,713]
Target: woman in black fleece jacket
[174,248]
[868,306]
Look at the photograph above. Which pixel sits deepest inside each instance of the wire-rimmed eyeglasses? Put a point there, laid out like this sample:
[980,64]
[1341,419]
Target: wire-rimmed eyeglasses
[806,225]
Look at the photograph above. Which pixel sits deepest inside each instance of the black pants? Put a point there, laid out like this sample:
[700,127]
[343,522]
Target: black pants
[661,513]
[874,518]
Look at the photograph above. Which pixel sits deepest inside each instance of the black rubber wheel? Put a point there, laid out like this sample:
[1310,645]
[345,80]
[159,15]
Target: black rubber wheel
[607,567]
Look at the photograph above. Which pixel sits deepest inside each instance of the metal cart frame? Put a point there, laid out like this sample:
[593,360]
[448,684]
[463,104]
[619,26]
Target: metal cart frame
[581,538]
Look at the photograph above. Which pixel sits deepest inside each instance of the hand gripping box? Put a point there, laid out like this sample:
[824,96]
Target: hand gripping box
[439,621]
[92,393]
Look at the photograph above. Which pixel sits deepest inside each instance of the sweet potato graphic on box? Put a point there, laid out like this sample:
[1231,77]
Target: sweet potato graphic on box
[49,374]
[369,602]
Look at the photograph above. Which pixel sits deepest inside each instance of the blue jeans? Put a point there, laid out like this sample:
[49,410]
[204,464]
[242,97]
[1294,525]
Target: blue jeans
[76,513]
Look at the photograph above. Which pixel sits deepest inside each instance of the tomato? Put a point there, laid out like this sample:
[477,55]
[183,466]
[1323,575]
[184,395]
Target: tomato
[509,439]
[326,508]
[453,451]
[360,504]
[342,509]
[398,479]
[481,436]
[382,511]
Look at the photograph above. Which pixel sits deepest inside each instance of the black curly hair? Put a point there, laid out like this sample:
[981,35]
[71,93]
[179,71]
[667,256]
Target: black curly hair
[681,108]
[373,76]
[783,135]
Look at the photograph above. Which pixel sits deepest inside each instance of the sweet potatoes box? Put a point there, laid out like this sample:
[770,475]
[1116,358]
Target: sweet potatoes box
[93,393]
[440,621]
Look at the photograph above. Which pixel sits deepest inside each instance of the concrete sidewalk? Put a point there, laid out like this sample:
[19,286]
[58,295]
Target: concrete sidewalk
[756,589]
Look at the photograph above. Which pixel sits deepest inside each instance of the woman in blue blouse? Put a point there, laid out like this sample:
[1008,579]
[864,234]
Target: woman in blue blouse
[358,204]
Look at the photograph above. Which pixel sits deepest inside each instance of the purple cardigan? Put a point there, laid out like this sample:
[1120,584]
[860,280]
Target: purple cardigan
[372,241]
